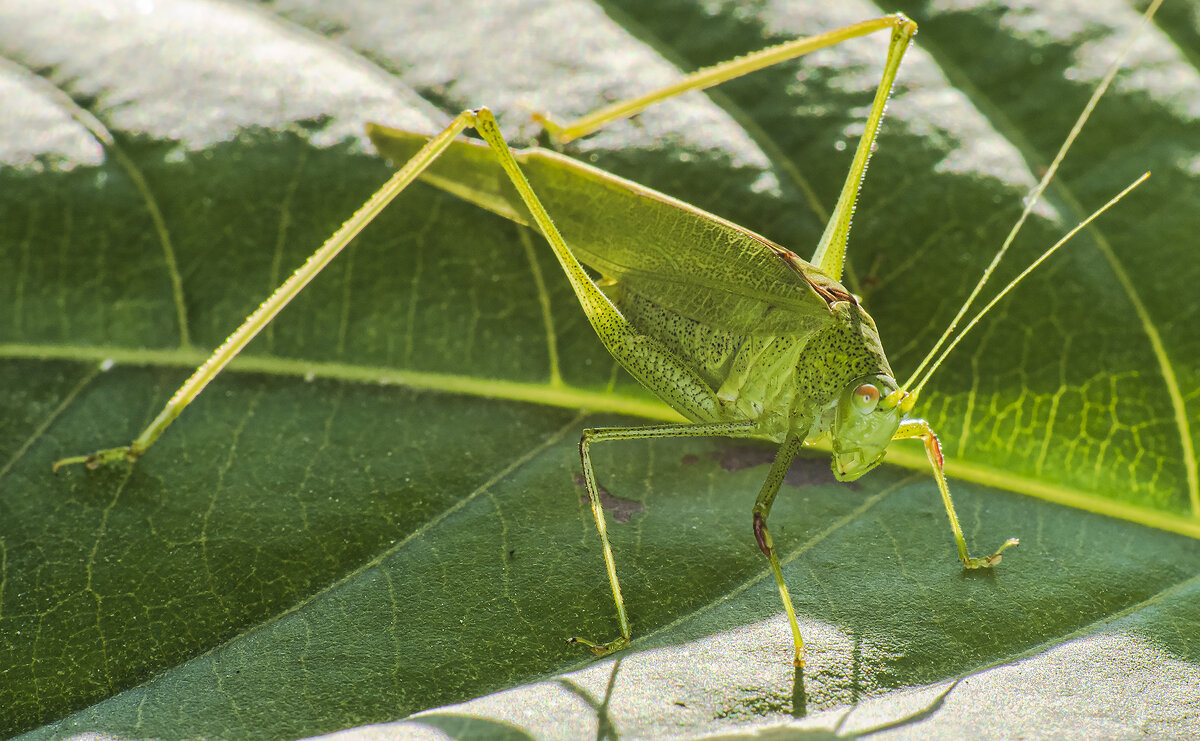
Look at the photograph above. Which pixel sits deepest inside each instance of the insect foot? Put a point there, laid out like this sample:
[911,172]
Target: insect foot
[992,560]
[603,649]
[99,458]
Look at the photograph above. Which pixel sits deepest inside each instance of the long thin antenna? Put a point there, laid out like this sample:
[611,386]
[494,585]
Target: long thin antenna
[1032,266]
[1034,197]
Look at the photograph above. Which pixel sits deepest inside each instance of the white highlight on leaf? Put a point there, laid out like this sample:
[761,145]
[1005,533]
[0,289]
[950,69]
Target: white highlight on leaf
[36,132]
[564,58]
[924,100]
[201,71]
[1095,32]
[1107,684]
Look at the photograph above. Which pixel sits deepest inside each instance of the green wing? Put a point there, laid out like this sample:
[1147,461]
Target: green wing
[683,259]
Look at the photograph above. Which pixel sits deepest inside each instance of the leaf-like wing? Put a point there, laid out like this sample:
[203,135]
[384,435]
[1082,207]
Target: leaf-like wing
[681,257]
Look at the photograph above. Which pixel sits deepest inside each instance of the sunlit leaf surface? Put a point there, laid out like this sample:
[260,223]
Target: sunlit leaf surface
[376,513]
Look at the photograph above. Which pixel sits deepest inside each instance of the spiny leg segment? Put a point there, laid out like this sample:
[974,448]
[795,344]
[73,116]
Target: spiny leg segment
[831,250]
[279,299]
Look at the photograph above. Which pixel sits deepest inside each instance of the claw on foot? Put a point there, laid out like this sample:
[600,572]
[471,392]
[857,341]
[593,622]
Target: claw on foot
[992,560]
[99,458]
[602,649]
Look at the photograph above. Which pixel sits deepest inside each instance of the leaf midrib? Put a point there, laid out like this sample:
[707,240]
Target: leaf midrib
[570,397]
[546,394]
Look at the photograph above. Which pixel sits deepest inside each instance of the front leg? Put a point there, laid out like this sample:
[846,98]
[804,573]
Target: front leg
[762,508]
[919,428]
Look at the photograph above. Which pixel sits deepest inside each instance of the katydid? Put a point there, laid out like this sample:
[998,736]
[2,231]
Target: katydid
[740,336]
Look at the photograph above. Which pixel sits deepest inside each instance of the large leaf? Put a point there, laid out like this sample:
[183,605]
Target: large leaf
[374,513]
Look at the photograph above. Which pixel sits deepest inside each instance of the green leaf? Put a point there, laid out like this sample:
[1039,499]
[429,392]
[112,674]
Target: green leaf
[374,512]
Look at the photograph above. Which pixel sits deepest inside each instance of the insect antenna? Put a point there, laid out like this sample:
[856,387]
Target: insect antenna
[1032,266]
[1030,202]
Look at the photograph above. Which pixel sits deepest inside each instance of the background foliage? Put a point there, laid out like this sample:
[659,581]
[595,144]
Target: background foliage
[377,514]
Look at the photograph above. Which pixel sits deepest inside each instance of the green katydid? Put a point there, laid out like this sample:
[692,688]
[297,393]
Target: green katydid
[740,336]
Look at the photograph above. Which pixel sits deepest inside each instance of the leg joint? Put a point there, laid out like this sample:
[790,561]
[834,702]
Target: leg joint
[761,536]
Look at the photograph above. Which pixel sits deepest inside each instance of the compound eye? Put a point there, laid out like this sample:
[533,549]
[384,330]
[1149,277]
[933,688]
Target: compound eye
[865,398]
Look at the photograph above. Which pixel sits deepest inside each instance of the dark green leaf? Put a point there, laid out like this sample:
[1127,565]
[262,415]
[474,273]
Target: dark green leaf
[375,512]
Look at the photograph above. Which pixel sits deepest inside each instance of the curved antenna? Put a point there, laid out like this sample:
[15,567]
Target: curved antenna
[1032,266]
[1030,202]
